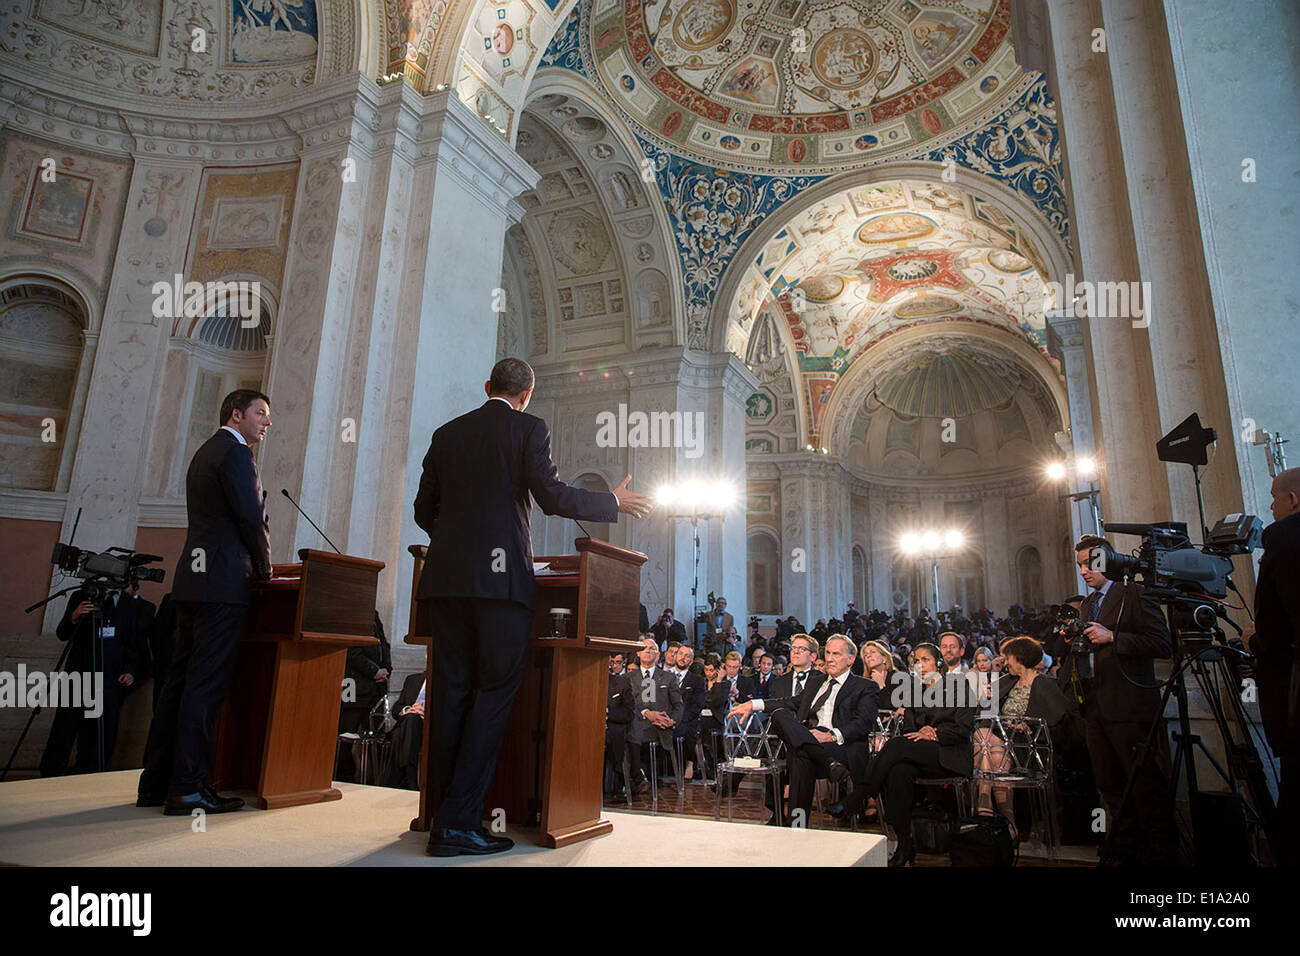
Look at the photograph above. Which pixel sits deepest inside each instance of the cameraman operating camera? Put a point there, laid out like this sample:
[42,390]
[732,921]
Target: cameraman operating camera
[119,650]
[1127,632]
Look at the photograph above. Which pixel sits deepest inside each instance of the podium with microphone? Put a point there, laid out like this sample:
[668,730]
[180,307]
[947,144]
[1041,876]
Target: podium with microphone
[278,729]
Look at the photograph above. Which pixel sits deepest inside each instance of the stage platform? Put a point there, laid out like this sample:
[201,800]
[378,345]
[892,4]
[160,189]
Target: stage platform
[92,820]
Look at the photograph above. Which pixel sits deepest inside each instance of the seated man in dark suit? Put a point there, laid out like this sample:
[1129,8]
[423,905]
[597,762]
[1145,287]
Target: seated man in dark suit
[764,679]
[825,734]
[694,688]
[656,710]
[618,715]
[403,768]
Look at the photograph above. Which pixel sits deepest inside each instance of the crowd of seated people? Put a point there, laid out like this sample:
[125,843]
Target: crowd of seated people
[830,693]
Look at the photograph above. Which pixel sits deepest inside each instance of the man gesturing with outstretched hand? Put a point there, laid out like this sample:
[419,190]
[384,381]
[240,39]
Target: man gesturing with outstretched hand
[479,475]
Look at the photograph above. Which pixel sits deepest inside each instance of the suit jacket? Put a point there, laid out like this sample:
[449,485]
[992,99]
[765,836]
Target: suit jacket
[783,686]
[953,725]
[410,692]
[618,700]
[126,652]
[474,502]
[760,689]
[694,688]
[719,622]
[1140,637]
[1277,633]
[664,696]
[854,715]
[363,662]
[226,521]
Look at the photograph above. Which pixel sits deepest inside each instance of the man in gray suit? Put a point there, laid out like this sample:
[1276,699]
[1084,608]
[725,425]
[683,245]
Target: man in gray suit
[656,709]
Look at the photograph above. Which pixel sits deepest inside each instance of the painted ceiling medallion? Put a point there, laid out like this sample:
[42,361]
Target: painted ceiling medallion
[803,84]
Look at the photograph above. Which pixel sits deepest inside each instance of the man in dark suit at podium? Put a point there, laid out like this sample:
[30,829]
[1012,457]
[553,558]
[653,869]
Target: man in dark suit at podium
[227,547]
[481,475]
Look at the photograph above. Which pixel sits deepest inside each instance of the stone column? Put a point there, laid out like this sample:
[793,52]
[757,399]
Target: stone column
[1069,335]
[108,473]
[1185,356]
[1127,421]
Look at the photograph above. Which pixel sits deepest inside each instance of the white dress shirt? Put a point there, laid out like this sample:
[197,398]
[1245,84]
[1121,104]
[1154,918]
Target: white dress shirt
[826,712]
[235,432]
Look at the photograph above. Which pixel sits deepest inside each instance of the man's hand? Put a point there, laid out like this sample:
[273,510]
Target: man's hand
[381,674]
[925,733]
[823,737]
[1099,635]
[126,680]
[742,710]
[630,502]
[659,719]
[416,708]
[84,608]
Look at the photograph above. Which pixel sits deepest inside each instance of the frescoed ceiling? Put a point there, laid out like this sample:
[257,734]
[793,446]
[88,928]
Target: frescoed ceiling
[800,84]
[879,259]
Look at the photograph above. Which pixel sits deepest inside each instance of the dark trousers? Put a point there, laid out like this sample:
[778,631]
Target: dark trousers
[71,725]
[615,737]
[807,759]
[478,666]
[403,768]
[1144,833]
[182,736]
[893,774]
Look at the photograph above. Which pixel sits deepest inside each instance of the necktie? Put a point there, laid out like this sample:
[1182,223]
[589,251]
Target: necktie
[820,702]
[798,683]
[1091,606]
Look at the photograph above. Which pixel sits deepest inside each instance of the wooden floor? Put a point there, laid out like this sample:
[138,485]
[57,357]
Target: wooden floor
[699,800]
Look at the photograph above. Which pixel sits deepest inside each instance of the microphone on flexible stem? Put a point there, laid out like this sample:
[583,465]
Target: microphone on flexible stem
[285,492]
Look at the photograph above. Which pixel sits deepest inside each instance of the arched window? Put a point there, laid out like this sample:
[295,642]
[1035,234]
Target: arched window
[967,582]
[40,354]
[764,574]
[1029,577]
[860,596]
[902,585]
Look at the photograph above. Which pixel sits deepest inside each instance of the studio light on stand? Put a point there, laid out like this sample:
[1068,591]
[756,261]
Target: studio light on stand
[931,545]
[1076,472]
[696,500]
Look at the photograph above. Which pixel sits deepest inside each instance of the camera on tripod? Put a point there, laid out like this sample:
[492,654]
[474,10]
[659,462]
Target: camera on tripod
[1167,563]
[105,571]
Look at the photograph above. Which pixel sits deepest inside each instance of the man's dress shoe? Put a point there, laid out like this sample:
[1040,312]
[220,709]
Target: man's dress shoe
[206,799]
[445,841]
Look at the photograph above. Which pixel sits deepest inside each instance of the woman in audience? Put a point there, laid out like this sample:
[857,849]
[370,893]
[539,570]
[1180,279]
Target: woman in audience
[1022,692]
[982,663]
[935,742]
[878,665]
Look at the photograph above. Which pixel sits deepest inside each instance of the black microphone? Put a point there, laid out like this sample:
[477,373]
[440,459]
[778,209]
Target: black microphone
[285,492]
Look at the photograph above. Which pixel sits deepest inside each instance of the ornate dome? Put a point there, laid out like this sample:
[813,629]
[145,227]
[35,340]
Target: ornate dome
[947,383]
[803,84]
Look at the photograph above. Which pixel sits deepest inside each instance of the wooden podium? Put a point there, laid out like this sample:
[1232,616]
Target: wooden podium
[278,730]
[552,756]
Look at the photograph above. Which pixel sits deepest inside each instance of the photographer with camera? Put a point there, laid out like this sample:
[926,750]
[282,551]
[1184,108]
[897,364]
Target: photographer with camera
[1127,631]
[109,631]
[227,547]
[1277,663]
[666,630]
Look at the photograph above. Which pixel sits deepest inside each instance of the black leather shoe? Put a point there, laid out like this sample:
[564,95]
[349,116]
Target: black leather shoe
[206,799]
[838,773]
[903,855]
[445,841]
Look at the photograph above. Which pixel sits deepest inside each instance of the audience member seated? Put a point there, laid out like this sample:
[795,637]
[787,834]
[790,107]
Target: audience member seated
[689,674]
[1023,693]
[824,730]
[403,768]
[656,710]
[618,715]
[935,742]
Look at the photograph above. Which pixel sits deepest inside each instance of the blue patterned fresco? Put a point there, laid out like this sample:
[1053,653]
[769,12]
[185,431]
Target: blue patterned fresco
[714,210]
